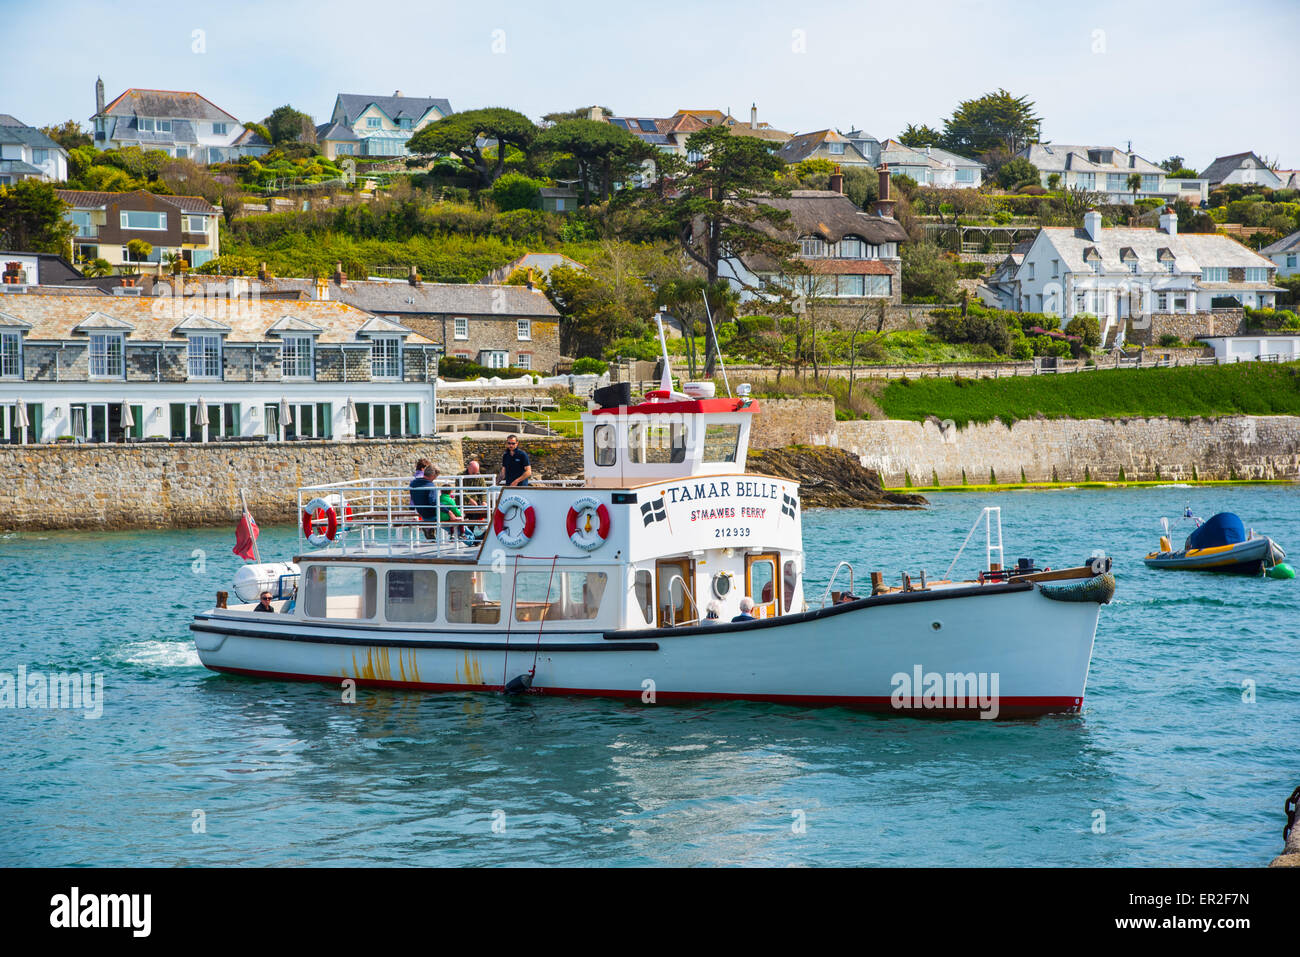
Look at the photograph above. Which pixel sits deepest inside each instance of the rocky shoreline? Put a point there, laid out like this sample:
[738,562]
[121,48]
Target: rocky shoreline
[830,478]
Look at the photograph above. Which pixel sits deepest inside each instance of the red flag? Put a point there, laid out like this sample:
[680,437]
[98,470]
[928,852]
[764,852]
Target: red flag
[246,537]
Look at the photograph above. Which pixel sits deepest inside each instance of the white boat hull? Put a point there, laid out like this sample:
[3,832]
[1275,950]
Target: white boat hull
[1001,650]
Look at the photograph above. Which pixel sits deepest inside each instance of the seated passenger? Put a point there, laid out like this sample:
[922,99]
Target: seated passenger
[265,603]
[746,610]
[713,614]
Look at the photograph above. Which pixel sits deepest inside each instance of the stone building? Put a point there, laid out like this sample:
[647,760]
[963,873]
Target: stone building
[220,363]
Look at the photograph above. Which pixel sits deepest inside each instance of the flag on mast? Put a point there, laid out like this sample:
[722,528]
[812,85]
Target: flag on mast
[246,533]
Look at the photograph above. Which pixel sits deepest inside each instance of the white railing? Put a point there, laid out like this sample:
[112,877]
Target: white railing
[382,512]
[988,516]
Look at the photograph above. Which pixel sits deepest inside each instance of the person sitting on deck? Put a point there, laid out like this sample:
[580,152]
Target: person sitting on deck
[746,610]
[265,603]
[713,614]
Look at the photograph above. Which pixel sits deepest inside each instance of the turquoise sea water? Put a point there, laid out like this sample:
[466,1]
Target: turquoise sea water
[1184,770]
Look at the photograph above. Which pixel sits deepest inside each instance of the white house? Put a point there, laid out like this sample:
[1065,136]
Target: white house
[1285,253]
[181,124]
[931,166]
[27,153]
[1248,348]
[1246,169]
[1106,170]
[108,368]
[365,125]
[1121,273]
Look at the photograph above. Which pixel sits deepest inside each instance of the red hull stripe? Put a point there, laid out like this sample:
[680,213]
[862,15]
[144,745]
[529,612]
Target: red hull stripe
[1007,706]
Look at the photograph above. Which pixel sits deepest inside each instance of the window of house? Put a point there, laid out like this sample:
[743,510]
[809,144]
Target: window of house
[404,124]
[82,219]
[494,358]
[460,328]
[1290,260]
[1256,274]
[812,248]
[1056,268]
[143,219]
[1097,266]
[218,129]
[195,224]
[386,358]
[1031,270]
[1162,302]
[343,149]
[411,595]
[387,419]
[182,152]
[1214,274]
[1116,182]
[558,595]
[835,148]
[852,285]
[340,591]
[559,204]
[1080,302]
[1133,267]
[310,420]
[852,248]
[40,156]
[163,126]
[373,123]
[525,361]
[145,124]
[204,356]
[296,357]
[878,286]
[965,174]
[1150,182]
[1180,302]
[523,329]
[474,597]
[106,355]
[1086,180]
[11,355]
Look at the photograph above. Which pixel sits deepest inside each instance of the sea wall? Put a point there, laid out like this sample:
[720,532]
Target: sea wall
[174,485]
[1076,450]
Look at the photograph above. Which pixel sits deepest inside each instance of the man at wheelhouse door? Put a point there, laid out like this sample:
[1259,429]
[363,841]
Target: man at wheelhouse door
[515,467]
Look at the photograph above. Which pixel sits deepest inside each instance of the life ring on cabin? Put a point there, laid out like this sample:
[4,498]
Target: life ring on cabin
[519,505]
[319,512]
[583,532]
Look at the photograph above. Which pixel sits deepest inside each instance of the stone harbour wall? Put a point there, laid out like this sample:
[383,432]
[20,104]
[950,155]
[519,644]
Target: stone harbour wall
[178,485]
[1076,450]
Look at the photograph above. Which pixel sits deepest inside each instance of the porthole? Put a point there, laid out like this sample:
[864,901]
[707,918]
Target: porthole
[722,583]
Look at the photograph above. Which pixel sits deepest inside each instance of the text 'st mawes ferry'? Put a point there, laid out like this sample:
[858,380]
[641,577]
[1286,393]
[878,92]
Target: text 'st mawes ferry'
[602,587]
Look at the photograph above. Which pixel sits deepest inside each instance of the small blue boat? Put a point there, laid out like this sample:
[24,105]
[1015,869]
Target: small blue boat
[1220,544]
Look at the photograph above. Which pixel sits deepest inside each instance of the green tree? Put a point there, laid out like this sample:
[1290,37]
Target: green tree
[993,121]
[287,125]
[1017,172]
[32,218]
[600,303]
[1134,184]
[139,250]
[1171,164]
[605,154]
[462,133]
[259,129]
[516,191]
[97,268]
[928,273]
[1086,327]
[580,113]
[68,134]
[1053,180]
[922,135]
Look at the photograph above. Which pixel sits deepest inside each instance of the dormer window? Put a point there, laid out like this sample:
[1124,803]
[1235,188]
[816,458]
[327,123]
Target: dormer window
[812,248]
[386,357]
[145,124]
[204,356]
[11,355]
[218,129]
[106,355]
[296,357]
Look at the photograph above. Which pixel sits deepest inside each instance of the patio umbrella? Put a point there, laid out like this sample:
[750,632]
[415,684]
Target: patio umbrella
[350,415]
[201,417]
[20,415]
[128,420]
[286,417]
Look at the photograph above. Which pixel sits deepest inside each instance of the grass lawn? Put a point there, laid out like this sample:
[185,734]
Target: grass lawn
[1246,388]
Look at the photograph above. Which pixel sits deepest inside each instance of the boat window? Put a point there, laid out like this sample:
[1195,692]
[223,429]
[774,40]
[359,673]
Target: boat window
[791,579]
[663,443]
[558,595]
[606,446]
[642,589]
[474,597]
[762,581]
[720,442]
[341,591]
[412,595]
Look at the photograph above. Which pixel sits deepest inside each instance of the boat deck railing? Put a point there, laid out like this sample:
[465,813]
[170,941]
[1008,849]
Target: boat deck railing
[380,514]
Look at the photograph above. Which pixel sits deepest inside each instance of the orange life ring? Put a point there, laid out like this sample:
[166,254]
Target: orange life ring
[504,536]
[319,512]
[582,537]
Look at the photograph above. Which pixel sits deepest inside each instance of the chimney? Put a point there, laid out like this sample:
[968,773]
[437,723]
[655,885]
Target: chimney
[338,273]
[595,114]
[1169,221]
[413,277]
[261,272]
[837,180]
[322,290]
[397,93]
[753,116]
[885,204]
[99,95]
[146,284]
[1092,224]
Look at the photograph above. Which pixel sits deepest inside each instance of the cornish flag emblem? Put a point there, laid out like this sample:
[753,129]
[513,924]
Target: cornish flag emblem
[789,504]
[654,511]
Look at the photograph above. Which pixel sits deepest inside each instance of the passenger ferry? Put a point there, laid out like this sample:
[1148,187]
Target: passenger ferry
[603,587]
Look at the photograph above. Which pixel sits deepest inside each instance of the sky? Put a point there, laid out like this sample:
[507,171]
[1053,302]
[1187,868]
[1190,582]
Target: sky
[1192,78]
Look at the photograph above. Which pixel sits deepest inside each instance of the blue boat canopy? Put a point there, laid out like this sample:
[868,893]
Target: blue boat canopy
[1222,529]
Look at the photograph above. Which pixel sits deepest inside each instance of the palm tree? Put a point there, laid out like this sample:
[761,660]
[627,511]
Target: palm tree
[1134,184]
[97,268]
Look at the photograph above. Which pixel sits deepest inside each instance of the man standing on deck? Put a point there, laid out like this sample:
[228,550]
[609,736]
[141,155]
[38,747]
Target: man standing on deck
[516,470]
[422,497]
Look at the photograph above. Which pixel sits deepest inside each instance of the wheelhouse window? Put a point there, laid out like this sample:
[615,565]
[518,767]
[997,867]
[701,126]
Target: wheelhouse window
[143,219]
[106,355]
[558,595]
[721,442]
[656,444]
[411,595]
[643,592]
[789,581]
[386,358]
[296,357]
[11,355]
[474,597]
[205,356]
[606,449]
[340,591]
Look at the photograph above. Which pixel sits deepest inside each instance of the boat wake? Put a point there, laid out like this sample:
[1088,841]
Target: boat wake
[160,654]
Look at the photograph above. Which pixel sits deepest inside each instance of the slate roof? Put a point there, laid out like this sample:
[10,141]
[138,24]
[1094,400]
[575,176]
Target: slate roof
[87,199]
[167,103]
[51,267]
[15,131]
[799,148]
[1058,157]
[1284,245]
[334,131]
[17,167]
[1191,251]
[354,104]
[1222,166]
[155,319]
